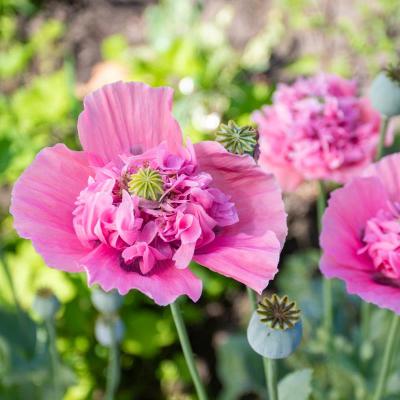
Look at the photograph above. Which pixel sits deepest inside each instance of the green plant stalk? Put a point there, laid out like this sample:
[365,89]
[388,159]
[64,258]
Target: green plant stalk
[270,375]
[10,281]
[252,298]
[326,283]
[269,365]
[366,308]
[113,371]
[13,291]
[365,320]
[387,358]
[51,334]
[382,137]
[187,351]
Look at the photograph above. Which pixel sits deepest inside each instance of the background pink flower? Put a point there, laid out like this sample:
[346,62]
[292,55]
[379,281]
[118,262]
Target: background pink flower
[360,237]
[317,128]
[81,213]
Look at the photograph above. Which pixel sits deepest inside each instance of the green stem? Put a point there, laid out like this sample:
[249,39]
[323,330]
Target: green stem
[382,137]
[10,281]
[187,351]
[365,320]
[113,371]
[326,283]
[321,204]
[269,365]
[270,375]
[387,358]
[51,333]
[252,298]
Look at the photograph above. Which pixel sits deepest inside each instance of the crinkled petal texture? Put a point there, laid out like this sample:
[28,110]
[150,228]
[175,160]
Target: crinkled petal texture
[127,118]
[249,250]
[350,210]
[164,284]
[81,213]
[42,203]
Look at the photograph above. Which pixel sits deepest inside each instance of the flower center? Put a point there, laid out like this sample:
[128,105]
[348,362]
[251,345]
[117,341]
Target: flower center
[278,313]
[382,242]
[152,209]
[146,183]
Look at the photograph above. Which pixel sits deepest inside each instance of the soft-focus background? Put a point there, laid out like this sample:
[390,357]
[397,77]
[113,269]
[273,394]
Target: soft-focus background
[223,58]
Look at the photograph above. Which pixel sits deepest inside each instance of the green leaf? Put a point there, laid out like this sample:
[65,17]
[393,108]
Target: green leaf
[239,368]
[296,386]
[19,331]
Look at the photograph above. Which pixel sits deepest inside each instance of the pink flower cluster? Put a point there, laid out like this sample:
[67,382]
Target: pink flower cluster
[317,128]
[216,208]
[147,231]
[360,237]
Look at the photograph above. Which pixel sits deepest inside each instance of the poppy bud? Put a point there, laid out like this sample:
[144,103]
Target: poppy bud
[385,92]
[46,304]
[109,330]
[237,139]
[106,302]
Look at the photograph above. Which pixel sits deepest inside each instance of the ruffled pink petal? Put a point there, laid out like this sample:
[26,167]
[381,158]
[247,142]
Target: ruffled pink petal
[348,211]
[127,118]
[42,203]
[163,284]
[247,259]
[125,220]
[255,193]
[361,283]
[388,171]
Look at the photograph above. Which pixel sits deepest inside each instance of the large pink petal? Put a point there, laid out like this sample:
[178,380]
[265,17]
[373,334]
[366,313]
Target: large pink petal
[127,118]
[255,193]
[361,283]
[42,203]
[388,171]
[250,260]
[349,209]
[163,284]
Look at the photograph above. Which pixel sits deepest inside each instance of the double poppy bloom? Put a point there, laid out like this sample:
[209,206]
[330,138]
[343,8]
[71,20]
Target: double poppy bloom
[360,235]
[136,206]
[317,128]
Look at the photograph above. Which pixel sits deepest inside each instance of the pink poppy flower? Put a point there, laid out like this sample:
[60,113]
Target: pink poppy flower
[360,235]
[135,207]
[317,128]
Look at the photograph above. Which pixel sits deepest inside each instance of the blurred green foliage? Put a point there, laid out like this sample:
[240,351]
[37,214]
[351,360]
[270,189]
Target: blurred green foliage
[213,82]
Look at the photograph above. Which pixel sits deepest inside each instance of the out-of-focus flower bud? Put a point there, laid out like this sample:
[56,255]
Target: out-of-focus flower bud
[385,91]
[106,302]
[237,139]
[275,329]
[109,330]
[46,304]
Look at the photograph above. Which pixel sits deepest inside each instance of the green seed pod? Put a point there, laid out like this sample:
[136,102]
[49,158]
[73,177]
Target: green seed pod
[385,92]
[106,302]
[46,304]
[108,329]
[275,329]
[146,183]
[237,139]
